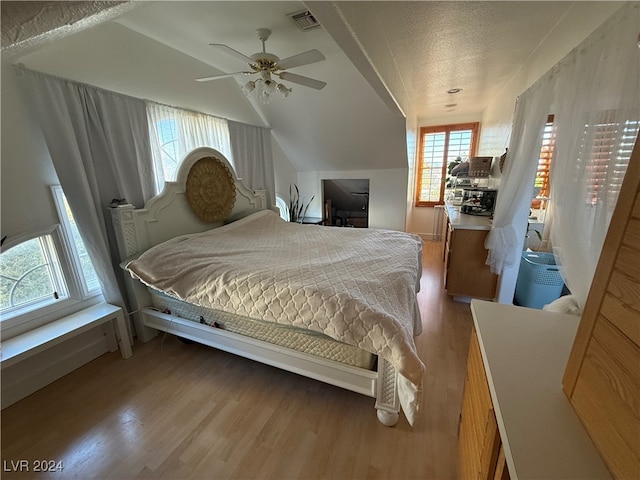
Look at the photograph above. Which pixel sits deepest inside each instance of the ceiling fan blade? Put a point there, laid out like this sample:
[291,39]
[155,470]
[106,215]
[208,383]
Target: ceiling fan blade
[233,53]
[222,75]
[305,58]
[299,79]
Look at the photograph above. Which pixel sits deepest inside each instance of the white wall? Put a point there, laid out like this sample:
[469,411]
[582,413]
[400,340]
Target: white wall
[581,19]
[387,194]
[27,170]
[285,173]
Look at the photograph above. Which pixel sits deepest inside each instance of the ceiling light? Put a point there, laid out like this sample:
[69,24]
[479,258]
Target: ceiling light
[454,90]
[249,87]
[283,90]
[269,86]
[263,88]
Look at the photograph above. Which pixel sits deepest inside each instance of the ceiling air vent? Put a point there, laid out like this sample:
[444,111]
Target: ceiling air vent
[304,20]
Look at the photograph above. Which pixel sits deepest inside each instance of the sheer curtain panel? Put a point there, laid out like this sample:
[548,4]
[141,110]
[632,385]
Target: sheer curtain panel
[597,110]
[509,226]
[253,159]
[594,95]
[174,132]
[99,144]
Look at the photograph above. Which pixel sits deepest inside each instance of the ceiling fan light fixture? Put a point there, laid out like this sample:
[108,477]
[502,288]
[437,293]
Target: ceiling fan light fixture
[249,87]
[269,86]
[283,90]
[268,66]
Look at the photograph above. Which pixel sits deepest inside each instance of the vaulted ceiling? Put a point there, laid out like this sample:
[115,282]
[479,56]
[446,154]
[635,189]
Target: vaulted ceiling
[384,60]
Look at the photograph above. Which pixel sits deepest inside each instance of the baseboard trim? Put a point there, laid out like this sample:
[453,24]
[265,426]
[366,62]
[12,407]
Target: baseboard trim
[430,237]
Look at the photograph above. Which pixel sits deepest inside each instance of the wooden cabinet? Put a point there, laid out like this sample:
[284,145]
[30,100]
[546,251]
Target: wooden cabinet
[479,444]
[466,273]
[516,421]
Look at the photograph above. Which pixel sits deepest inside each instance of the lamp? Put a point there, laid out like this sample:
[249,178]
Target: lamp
[264,87]
[249,87]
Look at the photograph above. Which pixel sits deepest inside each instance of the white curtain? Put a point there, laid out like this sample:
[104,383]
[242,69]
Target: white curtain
[99,144]
[509,226]
[596,115]
[174,132]
[253,159]
[594,96]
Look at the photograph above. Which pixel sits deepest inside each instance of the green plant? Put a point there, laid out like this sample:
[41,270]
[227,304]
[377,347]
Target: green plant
[297,207]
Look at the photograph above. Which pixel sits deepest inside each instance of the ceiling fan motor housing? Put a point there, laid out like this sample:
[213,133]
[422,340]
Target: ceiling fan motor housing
[267,64]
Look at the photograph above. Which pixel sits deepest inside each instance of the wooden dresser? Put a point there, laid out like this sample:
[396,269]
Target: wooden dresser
[516,421]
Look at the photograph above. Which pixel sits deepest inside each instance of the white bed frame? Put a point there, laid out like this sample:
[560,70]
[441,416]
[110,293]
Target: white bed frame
[168,215]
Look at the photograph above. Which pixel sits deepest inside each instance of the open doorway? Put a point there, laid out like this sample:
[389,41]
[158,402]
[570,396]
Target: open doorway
[346,202]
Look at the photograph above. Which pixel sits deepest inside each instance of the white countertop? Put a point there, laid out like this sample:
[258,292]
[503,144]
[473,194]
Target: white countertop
[525,352]
[464,221]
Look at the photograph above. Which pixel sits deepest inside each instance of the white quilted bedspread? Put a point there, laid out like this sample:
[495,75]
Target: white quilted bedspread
[357,286]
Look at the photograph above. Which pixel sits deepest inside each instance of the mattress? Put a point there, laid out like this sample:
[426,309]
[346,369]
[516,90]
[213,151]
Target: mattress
[299,339]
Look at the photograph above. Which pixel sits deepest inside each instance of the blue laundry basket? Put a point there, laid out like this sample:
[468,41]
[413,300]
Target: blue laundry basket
[539,280]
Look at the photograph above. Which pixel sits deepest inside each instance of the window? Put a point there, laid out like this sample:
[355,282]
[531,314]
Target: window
[168,147]
[439,146]
[44,274]
[283,208]
[610,152]
[174,132]
[542,181]
[82,266]
[31,275]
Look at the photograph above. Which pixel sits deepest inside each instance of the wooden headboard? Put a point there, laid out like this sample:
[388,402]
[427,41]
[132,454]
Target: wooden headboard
[169,214]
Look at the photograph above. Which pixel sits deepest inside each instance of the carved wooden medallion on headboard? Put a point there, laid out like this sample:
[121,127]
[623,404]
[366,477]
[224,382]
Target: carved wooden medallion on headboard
[211,190]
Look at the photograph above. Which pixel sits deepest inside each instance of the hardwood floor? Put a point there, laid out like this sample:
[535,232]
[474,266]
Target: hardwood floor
[187,411]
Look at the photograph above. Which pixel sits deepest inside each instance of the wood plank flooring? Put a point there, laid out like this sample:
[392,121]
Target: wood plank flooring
[176,411]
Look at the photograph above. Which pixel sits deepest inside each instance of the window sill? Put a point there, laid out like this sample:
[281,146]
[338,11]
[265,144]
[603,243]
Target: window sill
[34,341]
[12,326]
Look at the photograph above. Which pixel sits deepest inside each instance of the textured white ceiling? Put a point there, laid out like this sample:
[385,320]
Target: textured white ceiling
[383,60]
[422,49]
[419,48]
[27,25]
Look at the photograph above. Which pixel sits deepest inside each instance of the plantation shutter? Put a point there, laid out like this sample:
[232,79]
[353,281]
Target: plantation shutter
[610,153]
[543,173]
[438,147]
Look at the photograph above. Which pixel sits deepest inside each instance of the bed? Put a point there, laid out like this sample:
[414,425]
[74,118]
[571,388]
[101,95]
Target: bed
[208,262]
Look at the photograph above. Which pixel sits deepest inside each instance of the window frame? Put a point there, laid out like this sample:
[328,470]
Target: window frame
[447,129]
[58,277]
[75,263]
[76,297]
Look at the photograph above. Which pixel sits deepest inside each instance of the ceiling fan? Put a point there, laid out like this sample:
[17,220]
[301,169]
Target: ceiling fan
[268,65]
